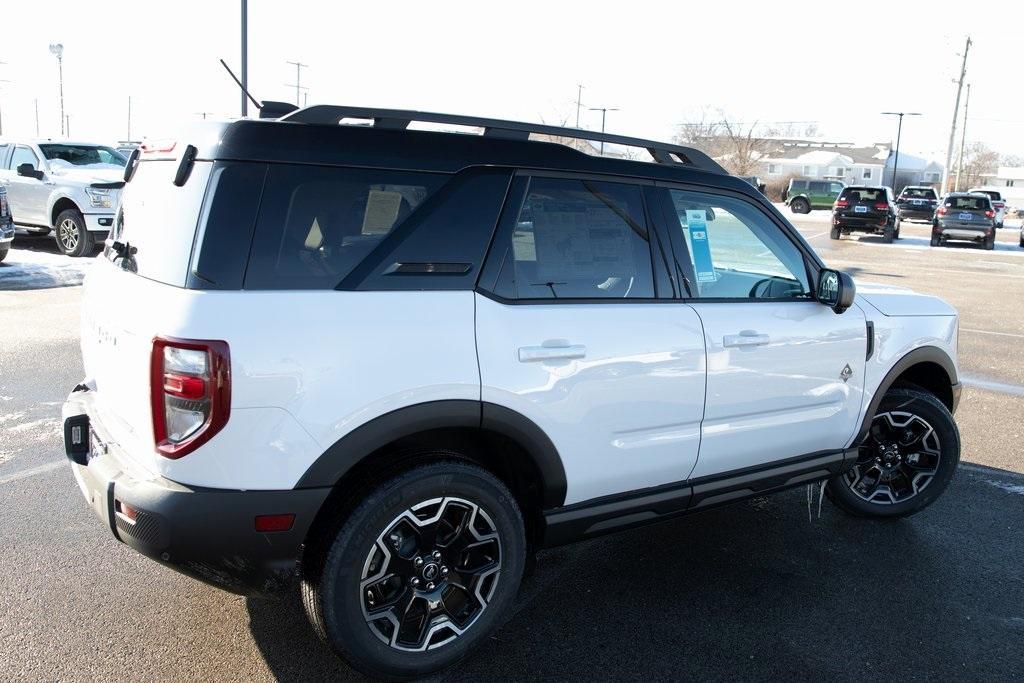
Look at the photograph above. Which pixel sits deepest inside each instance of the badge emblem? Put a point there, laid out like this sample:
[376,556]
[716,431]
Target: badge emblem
[847,373]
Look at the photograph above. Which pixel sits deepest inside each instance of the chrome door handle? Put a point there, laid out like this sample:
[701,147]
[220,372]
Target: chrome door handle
[531,354]
[745,338]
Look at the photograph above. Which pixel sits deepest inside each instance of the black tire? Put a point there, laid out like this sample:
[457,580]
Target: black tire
[835,233]
[4,250]
[1022,241]
[337,597]
[990,242]
[935,241]
[800,205]
[896,228]
[887,234]
[73,239]
[860,491]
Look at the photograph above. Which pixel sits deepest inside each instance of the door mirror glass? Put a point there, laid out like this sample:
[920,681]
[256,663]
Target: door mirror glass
[29,171]
[836,290]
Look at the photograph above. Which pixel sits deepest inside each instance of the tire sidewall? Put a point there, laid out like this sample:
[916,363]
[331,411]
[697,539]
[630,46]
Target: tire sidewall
[938,416]
[343,620]
[84,238]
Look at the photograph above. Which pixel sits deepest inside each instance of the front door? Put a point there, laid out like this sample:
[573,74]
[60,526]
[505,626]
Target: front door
[784,372]
[27,196]
[574,334]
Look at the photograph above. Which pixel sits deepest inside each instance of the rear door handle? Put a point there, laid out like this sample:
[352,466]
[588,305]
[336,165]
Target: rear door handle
[745,338]
[532,354]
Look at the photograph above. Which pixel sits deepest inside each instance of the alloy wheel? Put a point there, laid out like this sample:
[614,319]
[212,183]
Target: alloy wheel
[67,233]
[899,459]
[430,574]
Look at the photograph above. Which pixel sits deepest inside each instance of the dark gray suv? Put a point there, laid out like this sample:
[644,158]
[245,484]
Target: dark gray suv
[965,216]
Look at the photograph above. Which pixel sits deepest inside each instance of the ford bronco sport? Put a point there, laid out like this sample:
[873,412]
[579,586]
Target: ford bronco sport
[390,364]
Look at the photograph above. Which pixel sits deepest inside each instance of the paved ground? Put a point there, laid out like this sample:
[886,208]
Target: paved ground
[755,592]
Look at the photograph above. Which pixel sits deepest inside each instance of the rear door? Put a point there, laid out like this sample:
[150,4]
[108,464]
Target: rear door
[577,330]
[784,372]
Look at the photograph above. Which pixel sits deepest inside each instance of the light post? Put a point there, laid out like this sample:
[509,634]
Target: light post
[57,49]
[604,111]
[899,131]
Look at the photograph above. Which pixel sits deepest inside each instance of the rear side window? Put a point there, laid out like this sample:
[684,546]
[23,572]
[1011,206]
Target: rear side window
[863,194]
[316,224]
[818,186]
[23,155]
[798,185]
[919,193]
[581,239]
[976,203]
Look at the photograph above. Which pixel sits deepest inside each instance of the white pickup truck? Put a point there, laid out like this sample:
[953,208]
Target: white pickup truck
[68,189]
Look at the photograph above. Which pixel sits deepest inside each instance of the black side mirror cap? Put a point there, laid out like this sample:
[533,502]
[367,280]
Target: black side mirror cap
[836,289]
[29,171]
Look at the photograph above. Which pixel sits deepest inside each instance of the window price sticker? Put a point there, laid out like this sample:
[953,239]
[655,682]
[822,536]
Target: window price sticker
[697,224]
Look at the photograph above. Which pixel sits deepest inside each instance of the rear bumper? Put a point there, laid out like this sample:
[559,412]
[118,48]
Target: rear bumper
[963,233]
[859,224]
[207,534]
[916,214]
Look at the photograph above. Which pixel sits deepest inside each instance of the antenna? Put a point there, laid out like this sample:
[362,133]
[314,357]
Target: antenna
[235,78]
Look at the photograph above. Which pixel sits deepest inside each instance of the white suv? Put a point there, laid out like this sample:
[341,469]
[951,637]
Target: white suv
[69,189]
[391,364]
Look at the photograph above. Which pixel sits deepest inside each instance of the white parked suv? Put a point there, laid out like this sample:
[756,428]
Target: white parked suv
[390,364]
[69,189]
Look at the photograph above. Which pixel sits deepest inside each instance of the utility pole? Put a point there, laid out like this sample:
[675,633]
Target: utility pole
[899,132]
[604,111]
[298,82]
[37,117]
[579,103]
[203,114]
[963,141]
[245,58]
[129,118]
[57,49]
[67,119]
[956,111]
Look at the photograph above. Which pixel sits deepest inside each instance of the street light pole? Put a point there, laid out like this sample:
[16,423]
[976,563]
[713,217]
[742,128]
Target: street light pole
[899,132]
[58,50]
[604,111]
[245,58]
[579,98]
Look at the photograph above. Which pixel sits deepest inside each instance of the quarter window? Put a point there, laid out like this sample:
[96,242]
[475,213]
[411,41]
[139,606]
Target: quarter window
[581,239]
[736,251]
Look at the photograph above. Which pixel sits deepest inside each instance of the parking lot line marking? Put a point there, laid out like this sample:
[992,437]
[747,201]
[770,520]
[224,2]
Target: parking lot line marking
[31,472]
[992,385]
[999,334]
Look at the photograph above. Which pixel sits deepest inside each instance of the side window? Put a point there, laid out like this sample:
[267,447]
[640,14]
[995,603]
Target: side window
[316,224]
[579,239]
[835,188]
[819,187]
[799,185]
[3,152]
[736,251]
[23,155]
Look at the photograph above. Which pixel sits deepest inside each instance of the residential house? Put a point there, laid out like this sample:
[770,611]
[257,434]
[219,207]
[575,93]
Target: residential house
[1009,181]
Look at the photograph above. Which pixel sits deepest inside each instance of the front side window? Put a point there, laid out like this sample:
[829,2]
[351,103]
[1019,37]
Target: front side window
[23,155]
[581,239]
[736,251]
[316,224]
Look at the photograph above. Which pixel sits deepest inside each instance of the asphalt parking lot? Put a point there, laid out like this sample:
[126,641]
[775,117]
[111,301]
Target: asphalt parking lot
[758,591]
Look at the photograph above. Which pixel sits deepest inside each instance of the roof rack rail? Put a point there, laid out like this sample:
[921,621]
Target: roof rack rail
[400,119]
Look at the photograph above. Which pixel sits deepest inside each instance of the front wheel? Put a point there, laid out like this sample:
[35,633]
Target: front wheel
[420,572]
[907,460]
[73,238]
[800,205]
[4,250]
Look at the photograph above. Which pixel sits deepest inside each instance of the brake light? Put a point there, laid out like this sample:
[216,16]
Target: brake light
[881,206]
[990,213]
[942,211]
[190,393]
[842,204]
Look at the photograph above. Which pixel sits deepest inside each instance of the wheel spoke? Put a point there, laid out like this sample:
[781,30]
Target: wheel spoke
[898,459]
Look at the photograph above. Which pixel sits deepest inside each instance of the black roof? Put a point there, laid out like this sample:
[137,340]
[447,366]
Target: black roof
[382,147]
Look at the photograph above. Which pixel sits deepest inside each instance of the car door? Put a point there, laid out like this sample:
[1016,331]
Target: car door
[784,372]
[578,331]
[27,195]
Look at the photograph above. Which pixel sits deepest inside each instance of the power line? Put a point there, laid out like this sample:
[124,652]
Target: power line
[299,66]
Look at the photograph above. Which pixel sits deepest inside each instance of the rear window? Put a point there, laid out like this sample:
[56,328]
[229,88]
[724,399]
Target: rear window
[798,184]
[919,193]
[991,193]
[316,224]
[863,194]
[976,203]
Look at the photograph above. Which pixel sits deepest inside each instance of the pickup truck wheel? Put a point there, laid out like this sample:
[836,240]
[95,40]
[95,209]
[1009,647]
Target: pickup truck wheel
[4,250]
[906,461]
[420,572]
[799,205]
[73,238]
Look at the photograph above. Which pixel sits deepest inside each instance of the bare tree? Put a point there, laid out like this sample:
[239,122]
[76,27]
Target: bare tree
[979,162]
[739,147]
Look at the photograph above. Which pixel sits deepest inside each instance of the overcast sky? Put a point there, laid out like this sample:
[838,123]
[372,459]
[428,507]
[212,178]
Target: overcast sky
[837,64]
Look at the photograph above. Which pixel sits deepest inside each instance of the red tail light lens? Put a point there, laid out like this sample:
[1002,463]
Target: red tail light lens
[881,206]
[190,393]
[990,213]
[942,211]
[842,204]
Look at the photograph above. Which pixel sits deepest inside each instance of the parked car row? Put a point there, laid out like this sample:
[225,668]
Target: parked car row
[66,189]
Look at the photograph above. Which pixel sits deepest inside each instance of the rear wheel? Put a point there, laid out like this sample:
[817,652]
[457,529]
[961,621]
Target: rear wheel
[906,461]
[887,234]
[835,233]
[418,574]
[990,242]
[4,250]
[1022,241]
[72,237]
[800,205]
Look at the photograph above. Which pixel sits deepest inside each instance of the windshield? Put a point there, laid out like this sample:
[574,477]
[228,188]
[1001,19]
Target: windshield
[919,193]
[83,155]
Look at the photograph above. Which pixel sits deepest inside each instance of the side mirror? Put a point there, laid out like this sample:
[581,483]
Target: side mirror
[29,171]
[836,290]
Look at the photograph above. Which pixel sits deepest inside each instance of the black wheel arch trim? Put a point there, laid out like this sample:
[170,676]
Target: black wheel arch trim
[361,442]
[923,354]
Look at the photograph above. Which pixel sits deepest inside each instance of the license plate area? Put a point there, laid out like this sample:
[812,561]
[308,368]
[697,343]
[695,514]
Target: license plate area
[965,216]
[860,209]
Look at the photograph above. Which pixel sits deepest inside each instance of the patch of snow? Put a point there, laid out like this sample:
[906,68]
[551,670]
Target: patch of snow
[1012,488]
[33,269]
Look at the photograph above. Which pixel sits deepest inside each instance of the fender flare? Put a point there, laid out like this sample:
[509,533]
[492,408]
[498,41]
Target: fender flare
[922,354]
[358,444]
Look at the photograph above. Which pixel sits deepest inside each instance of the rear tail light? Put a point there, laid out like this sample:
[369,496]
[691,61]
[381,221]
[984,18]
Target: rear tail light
[190,393]
[990,213]
[942,211]
[881,206]
[842,204]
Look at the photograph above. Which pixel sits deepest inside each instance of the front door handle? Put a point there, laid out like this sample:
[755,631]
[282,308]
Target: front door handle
[532,354]
[745,338]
